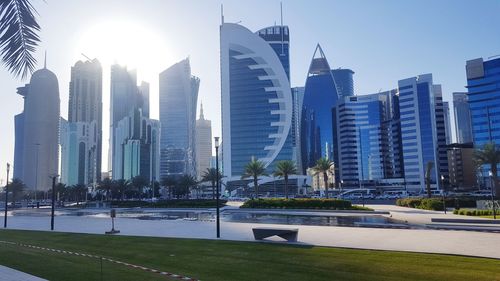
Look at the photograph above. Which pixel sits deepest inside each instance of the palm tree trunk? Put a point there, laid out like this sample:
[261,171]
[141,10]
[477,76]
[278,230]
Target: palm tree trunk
[428,185]
[325,179]
[256,186]
[286,186]
[495,188]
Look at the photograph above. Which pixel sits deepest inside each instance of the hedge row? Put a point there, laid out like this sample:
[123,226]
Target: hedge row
[475,212]
[330,204]
[436,204]
[195,203]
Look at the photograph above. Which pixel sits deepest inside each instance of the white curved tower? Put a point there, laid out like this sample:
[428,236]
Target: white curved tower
[256,96]
[40,131]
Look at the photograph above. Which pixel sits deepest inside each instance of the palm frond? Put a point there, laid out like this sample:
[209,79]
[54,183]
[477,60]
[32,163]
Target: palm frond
[18,36]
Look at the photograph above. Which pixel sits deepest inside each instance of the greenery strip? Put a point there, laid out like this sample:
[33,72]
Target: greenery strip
[164,273]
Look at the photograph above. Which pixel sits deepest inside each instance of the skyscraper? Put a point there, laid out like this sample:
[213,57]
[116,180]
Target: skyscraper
[363,139]
[317,118]
[463,129]
[178,99]
[203,144]
[37,130]
[81,134]
[419,130]
[344,81]
[124,99]
[298,99]
[256,97]
[447,121]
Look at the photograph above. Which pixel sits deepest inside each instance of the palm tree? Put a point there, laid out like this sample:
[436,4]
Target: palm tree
[254,169]
[185,184]
[139,182]
[16,186]
[106,186]
[428,169]
[60,190]
[210,175]
[489,154]
[19,36]
[323,166]
[284,169]
[79,190]
[120,186]
[169,182]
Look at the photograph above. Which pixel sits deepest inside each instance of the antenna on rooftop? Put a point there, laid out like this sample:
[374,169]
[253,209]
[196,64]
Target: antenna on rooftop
[222,13]
[282,30]
[45,60]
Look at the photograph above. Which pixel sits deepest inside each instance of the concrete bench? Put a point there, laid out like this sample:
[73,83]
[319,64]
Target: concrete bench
[290,234]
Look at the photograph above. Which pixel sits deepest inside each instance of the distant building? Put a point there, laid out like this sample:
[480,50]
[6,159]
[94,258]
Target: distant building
[297,99]
[178,100]
[37,129]
[203,144]
[447,121]
[256,97]
[463,129]
[81,134]
[461,165]
[422,131]
[124,98]
[344,81]
[138,140]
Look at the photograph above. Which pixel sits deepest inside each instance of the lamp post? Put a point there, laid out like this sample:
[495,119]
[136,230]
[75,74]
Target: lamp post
[341,183]
[53,201]
[444,193]
[492,195]
[6,196]
[217,182]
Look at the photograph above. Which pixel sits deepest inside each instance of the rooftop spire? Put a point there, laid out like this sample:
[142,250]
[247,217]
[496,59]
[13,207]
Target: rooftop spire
[45,60]
[202,117]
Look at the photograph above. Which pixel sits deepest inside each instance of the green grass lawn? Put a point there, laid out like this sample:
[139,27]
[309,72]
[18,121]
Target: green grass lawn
[226,260]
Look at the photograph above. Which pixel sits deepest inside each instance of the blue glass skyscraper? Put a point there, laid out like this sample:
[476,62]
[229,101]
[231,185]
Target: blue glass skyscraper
[317,118]
[256,97]
[463,128]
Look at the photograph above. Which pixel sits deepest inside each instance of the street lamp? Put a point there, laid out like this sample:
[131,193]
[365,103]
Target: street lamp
[217,182]
[492,195]
[341,184]
[53,201]
[444,193]
[6,194]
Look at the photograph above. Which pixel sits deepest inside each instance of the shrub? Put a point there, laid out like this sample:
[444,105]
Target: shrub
[475,212]
[329,204]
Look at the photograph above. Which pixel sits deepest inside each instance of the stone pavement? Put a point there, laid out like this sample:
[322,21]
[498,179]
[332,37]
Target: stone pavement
[9,274]
[414,240]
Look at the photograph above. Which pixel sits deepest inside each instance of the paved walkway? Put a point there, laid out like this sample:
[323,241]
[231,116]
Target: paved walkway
[415,240]
[9,274]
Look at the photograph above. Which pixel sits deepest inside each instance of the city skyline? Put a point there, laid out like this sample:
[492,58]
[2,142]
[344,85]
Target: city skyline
[304,37]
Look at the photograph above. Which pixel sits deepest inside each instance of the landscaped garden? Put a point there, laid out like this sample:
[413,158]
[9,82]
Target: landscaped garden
[226,260]
[278,203]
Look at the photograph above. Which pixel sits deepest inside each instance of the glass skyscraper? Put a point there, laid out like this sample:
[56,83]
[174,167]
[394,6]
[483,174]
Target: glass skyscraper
[317,118]
[344,81]
[256,97]
[463,129]
[178,99]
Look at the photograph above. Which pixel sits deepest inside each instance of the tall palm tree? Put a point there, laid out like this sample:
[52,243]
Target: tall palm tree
[120,186]
[489,154]
[19,36]
[16,186]
[284,169]
[254,169]
[106,185]
[79,190]
[139,182]
[169,182]
[210,175]
[185,184]
[428,169]
[323,166]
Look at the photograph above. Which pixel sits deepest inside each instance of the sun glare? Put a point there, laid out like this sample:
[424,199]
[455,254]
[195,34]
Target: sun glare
[126,43]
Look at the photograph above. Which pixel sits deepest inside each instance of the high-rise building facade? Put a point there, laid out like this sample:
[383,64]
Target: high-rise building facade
[37,129]
[81,134]
[124,98]
[203,144]
[419,131]
[297,99]
[256,97]
[317,118]
[178,100]
[463,129]
[344,81]
[447,121]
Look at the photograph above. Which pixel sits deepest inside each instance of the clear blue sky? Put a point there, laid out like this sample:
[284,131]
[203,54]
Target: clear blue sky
[382,41]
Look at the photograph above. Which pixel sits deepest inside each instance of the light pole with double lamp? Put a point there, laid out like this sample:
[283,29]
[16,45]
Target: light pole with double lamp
[217,183]
[6,197]
[492,181]
[444,193]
